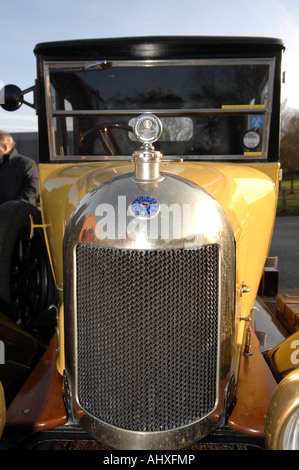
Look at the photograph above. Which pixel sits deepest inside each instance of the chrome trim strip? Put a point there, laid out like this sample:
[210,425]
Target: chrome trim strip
[49,117]
[194,158]
[162,112]
[81,65]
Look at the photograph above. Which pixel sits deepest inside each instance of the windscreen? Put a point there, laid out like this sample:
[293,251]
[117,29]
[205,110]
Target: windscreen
[209,109]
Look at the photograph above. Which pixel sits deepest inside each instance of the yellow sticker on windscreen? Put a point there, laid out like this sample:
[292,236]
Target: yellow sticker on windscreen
[240,106]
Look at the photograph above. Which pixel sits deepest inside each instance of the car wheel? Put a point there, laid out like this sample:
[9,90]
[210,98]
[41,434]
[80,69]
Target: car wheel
[25,276]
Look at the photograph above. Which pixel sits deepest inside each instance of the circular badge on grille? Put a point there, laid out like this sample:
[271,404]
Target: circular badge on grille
[145,207]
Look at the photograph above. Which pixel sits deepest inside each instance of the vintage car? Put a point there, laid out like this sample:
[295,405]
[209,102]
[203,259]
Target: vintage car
[159,176]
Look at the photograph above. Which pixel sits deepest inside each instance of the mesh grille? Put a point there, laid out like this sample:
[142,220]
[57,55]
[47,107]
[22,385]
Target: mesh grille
[147,335]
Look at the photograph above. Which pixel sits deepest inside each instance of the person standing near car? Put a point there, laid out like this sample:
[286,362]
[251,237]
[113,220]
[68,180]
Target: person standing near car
[19,177]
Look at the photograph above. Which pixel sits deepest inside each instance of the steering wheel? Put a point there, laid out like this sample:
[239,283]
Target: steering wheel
[104,136]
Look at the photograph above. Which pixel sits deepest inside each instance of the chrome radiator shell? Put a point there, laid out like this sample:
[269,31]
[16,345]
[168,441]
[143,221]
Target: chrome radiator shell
[201,226]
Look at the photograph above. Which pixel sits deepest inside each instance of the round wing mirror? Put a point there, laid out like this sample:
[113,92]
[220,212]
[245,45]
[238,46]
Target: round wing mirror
[12,98]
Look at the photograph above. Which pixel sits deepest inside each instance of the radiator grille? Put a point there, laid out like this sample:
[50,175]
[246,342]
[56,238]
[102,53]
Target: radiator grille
[147,333]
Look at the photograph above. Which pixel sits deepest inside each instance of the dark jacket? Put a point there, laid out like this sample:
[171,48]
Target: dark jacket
[18,178]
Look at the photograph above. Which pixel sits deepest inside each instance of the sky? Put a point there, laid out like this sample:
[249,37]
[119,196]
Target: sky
[27,23]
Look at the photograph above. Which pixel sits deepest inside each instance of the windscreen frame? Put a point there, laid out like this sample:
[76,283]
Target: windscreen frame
[233,110]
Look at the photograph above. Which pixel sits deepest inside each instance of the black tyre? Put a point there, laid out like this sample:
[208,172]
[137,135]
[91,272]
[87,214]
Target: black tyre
[26,283]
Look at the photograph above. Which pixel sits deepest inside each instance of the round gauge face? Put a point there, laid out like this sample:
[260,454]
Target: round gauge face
[251,139]
[147,128]
[144,207]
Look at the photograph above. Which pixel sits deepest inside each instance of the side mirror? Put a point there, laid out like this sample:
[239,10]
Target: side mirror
[13,97]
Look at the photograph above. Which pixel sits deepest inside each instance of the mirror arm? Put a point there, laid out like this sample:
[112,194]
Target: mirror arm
[28,90]
[32,105]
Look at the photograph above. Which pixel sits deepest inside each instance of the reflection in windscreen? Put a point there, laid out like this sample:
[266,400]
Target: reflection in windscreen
[161,87]
[175,129]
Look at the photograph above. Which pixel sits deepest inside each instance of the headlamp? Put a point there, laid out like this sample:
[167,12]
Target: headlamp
[282,420]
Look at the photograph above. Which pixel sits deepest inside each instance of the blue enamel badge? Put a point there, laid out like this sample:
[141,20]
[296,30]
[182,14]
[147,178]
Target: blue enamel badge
[145,207]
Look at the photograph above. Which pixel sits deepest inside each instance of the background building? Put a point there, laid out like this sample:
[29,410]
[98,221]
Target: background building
[27,144]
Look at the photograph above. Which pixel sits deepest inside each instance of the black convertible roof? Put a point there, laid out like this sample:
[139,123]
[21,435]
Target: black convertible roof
[160,47]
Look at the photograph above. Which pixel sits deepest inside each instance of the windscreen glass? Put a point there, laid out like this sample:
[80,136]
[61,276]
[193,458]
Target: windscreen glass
[207,108]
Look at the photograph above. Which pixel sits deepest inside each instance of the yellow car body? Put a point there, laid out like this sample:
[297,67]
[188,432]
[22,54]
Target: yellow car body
[155,344]
[248,195]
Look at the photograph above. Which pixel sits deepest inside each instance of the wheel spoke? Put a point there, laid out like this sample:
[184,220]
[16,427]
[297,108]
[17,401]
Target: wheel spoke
[28,284]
